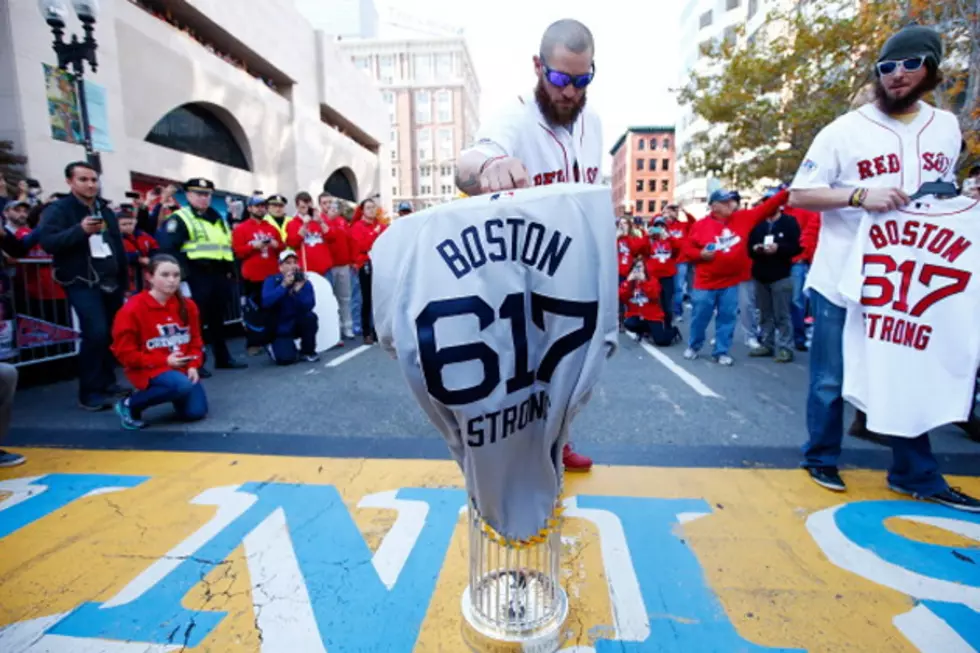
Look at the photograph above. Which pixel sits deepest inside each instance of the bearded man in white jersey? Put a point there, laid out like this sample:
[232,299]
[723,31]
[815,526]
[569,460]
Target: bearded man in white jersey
[872,159]
[548,137]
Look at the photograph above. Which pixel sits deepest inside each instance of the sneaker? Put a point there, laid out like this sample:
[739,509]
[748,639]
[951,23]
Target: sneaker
[690,354]
[951,497]
[760,352]
[752,342]
[575,462]
[784,356]
[725,360]
[348,334]
[310,358]
[95,403]
[11,459]
[126,418]
[827,477]
[368,340]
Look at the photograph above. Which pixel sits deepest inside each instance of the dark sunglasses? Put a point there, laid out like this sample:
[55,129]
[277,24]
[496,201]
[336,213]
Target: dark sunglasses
[561,80]
[909,65]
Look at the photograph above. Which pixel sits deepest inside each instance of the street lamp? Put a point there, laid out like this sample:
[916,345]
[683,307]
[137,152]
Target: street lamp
[74,54]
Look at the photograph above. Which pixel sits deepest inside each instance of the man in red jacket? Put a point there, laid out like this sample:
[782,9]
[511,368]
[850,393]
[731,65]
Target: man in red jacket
[718,246]
[342,255]
[256,243]
[309,235]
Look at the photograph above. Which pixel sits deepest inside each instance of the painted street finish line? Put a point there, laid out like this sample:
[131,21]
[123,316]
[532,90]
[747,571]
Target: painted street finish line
[140,551]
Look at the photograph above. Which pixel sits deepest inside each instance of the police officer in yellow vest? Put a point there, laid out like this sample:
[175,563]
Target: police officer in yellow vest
[277,214]
[201,240]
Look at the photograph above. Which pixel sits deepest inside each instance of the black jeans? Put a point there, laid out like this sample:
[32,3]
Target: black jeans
[667,300]
[258,323]
[96,310]
[367,317]
[211,291]
[284,346]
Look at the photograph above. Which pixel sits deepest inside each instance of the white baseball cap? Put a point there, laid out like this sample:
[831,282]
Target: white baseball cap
[286,253]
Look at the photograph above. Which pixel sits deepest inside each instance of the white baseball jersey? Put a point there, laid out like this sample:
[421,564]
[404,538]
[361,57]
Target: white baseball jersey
[501,310]
[911,342]
[552,155]
[868,149]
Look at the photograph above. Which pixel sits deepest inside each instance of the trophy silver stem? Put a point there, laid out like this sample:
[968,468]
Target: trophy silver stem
[514,601]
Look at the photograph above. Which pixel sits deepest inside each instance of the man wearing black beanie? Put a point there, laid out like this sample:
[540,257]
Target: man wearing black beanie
[871,160]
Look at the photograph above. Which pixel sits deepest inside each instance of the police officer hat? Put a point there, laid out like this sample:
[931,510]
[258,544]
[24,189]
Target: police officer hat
[199,184]
[277,199]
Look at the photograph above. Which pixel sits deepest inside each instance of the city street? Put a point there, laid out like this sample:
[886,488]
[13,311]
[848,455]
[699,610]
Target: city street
[277,524]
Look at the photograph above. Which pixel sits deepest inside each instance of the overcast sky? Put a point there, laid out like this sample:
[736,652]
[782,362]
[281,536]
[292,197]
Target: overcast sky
[637,57]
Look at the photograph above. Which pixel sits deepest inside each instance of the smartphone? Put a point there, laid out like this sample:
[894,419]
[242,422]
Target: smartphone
[133,195]
[33,183]
[768,240]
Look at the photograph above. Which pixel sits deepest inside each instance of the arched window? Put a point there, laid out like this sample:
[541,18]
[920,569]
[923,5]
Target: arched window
[193,129]
[339,185]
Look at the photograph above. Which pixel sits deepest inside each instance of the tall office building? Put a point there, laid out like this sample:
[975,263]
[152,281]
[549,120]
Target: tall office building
[432,95]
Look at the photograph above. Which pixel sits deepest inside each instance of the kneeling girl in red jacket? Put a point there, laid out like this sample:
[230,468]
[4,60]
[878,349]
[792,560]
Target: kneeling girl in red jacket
[644,315]
[156,337]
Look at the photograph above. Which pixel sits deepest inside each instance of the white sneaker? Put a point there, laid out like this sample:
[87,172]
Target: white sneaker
[690,354]
[726,360]
[752,343]
[348,334]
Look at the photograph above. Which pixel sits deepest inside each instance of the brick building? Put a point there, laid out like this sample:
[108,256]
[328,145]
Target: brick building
[643,170]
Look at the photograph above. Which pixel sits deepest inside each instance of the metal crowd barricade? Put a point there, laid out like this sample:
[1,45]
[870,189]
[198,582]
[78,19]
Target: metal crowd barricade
[234,304]
[36,323]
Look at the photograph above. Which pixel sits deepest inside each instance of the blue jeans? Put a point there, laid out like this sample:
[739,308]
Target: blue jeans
[913,466]
[96,311]
[706,302]
[680,288]
[798,307]
[355,300]
[189,400]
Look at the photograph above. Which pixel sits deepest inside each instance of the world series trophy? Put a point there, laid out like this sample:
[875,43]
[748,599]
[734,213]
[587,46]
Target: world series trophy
[514,601]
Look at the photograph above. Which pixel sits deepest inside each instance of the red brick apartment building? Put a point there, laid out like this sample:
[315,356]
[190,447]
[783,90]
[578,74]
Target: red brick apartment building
[643,171]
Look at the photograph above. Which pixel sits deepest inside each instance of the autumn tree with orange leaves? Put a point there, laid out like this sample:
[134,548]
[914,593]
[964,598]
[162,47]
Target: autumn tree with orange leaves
[764,97]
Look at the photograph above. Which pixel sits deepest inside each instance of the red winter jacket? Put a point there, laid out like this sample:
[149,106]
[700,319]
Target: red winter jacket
[257,264]
[678,231]
[364,235]
[731,264]
[662,260]
[628,248]
[804,218]
[342,248]
[642,299]
[314,248]
[145,333]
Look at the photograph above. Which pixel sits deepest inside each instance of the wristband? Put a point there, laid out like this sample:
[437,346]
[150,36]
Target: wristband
[857,197]
[488,162]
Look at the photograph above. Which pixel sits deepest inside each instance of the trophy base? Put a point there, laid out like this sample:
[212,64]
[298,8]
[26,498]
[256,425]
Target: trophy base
[518,624]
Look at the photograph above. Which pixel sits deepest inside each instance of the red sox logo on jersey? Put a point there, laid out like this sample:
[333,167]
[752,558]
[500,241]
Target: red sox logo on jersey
[936,162]
[171,335]
[885,164]
[726,240]
[558,177]
[639,298]
[661,252]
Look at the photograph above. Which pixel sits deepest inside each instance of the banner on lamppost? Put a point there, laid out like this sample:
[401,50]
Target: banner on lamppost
[63,113]
[98,116]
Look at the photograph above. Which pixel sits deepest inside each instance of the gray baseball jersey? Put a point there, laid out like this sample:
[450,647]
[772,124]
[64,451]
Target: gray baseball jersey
[501,310]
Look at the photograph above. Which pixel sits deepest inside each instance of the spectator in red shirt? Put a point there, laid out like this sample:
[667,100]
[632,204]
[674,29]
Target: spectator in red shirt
[156,337]
[309,235]
[139,245]
[641,294]
[341,253]
[256,243]
[809,222]
[678,230]
[719,245]
[661,264]
[364,232]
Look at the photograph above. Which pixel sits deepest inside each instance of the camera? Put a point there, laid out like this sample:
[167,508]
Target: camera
[298,276]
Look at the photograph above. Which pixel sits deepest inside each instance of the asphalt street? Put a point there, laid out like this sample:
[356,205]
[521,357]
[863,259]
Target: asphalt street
[650,408]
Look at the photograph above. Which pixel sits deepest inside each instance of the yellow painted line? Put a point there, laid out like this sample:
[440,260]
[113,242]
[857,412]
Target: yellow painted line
[752,543]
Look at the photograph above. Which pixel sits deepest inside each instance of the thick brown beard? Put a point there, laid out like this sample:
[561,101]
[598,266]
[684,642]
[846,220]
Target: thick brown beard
[894,106]
[550,112]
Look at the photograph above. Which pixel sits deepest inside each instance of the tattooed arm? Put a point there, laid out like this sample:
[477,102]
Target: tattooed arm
[468,171]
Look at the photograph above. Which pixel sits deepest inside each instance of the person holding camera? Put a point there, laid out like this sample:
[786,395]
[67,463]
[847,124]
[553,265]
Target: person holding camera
[157,339]
[644,313]
[82,236]
[289,298]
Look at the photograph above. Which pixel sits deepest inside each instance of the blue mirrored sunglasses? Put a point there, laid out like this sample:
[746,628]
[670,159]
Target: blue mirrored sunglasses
[561,80]
[910,65]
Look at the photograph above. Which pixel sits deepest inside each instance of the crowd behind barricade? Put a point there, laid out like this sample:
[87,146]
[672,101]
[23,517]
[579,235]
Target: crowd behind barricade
[146,285]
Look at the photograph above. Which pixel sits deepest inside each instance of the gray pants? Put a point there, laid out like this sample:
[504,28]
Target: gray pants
[8,386]
[342,289]
[748,309]
[775,319]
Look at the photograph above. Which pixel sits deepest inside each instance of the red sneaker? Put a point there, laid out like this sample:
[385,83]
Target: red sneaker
[575,462]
